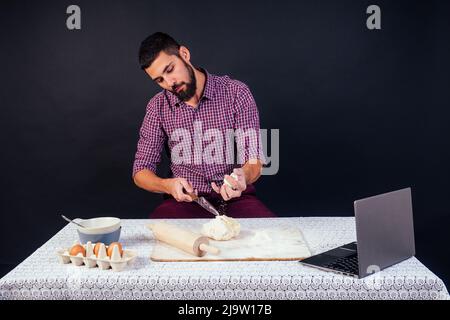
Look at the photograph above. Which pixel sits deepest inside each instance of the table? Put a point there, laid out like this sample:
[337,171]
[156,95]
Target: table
[40,276]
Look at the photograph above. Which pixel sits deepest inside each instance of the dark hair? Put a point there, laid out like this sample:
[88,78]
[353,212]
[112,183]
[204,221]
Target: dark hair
[153,45]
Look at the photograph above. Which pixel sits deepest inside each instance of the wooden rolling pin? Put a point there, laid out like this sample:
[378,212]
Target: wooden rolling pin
[185,240]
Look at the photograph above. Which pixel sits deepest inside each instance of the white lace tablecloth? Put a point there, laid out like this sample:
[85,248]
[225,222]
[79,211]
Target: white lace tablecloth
[41,276]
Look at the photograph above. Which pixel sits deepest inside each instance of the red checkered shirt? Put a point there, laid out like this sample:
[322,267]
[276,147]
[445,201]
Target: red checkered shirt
[226,104]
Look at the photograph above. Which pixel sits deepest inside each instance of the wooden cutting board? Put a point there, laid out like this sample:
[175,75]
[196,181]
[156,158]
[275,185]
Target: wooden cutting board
[264,244]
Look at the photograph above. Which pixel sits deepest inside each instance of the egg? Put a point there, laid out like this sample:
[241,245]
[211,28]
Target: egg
[111,248]
[97,248]
[76,249]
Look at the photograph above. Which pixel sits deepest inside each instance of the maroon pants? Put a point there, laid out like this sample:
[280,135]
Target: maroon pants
[246,206]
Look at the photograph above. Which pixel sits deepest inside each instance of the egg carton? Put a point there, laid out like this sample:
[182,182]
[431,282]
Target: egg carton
[115,262]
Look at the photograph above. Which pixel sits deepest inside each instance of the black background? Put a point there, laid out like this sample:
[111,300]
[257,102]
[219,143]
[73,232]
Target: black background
[360,112]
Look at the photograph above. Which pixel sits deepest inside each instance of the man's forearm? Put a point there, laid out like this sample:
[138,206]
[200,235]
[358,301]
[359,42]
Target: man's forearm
[252,171]
[149,181]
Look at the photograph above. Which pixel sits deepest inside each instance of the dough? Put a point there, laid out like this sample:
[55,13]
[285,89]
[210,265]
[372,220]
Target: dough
[221,228]
[234,176]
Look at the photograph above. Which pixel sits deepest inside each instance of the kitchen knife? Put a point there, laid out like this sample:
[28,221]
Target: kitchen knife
[205,204]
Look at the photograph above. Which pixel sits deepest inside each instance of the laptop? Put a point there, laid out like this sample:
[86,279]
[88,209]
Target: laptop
[384,237]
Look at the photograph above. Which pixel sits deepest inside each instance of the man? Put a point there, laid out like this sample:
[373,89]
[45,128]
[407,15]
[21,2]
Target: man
[194,101]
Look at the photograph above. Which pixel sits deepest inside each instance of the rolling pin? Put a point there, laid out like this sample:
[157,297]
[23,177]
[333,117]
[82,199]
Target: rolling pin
[182,239]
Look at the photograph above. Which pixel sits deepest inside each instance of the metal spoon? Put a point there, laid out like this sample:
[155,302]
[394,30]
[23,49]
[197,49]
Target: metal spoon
[67,219]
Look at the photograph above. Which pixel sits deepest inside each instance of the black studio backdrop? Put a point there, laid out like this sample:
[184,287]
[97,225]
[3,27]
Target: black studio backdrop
[360,112]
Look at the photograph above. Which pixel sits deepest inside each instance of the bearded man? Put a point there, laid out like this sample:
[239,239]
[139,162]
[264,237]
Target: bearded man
[191,98]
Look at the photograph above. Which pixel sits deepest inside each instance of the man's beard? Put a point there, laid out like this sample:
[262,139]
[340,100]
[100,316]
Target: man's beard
[191,86]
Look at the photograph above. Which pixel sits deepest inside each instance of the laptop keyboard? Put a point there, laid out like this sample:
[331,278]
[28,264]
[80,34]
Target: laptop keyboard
[346,264]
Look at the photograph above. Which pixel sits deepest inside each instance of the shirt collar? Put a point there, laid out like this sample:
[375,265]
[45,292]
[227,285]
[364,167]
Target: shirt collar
[208,91]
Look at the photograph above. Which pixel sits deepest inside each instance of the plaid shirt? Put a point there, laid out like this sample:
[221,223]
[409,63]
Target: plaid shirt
[226,104]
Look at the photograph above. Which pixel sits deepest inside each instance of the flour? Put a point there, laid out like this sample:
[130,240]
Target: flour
[221,228]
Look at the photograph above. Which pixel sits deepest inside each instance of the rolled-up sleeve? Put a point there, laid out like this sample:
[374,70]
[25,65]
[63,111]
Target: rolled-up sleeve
[247,126]
[151,140]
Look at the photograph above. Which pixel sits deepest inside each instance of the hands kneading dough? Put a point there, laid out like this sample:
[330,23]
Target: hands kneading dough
[221,228]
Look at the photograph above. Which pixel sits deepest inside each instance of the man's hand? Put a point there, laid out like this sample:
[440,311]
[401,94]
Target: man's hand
[237,185]
[175,186]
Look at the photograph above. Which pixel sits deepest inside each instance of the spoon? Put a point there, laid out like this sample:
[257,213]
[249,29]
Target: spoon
[67,219]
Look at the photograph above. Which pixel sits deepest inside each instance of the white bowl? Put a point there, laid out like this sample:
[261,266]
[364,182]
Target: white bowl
[99,225]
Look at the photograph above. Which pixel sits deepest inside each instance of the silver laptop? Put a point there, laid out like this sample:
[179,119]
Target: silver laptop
[384,237]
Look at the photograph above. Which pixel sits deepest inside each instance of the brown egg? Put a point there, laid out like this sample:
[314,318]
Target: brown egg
[97,248]
[76,249]
[111,248]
